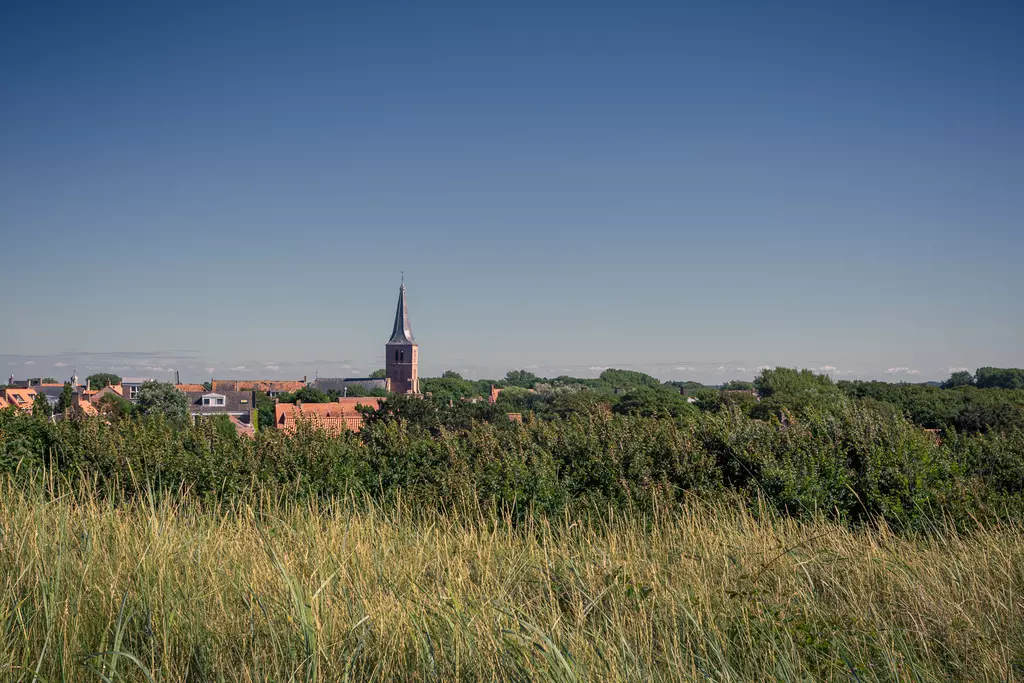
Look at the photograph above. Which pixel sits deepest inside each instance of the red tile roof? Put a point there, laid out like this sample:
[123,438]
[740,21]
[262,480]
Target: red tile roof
[332,417]
[87,408]
[190,387]
[116,389]
[263,385]
[242,428]
[20,398]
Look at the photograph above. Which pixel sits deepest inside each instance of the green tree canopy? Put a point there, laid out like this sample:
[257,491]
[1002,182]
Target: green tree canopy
[41,406]
[650,402]
[628,379]
[306,394]
[521,378]
[66,399]
[999,378]
[794,390]
[162,398]
[584,402]
[266,418]
[447,387]
[102,379]
[114,406]
[379,373]
[961,378]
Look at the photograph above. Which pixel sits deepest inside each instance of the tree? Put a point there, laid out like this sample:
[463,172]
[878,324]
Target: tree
[688,387]
[521,378]
[207,386]
[737,385]
[355,391]
[1001,378]
[379,373]
[584,402]
[796,390]
[66,399]
[102,379]
[266,413]
[624,380]
[162,398]
[651,402]
[450,374]
[791,382]
[49,380]
[114,406]
[708,400]
[41,406]
[306,394]
[448,387]
[961,378]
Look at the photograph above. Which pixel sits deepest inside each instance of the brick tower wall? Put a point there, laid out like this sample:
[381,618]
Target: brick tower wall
[402,368]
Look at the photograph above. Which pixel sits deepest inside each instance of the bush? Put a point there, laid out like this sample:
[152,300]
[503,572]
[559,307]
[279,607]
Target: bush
[854,459]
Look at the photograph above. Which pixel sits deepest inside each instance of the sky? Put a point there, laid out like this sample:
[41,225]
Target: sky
[692,189]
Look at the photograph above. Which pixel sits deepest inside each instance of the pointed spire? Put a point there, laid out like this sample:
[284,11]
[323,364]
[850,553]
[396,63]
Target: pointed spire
[402,333]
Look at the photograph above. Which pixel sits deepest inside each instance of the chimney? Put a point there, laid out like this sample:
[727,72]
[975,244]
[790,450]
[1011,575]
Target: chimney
[88,384]
[177,377]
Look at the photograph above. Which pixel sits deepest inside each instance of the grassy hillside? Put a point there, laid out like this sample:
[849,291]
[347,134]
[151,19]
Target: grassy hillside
[95,588]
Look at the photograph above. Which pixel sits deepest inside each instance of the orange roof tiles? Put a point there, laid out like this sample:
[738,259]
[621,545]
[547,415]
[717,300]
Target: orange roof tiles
[190,387]
[332,417]
[263,385]
[20,398]
[3,403]
[241,428]
[116,389]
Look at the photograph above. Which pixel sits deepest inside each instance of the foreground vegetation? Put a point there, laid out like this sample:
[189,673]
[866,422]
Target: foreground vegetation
[95,587]
[808,530]
[804,447]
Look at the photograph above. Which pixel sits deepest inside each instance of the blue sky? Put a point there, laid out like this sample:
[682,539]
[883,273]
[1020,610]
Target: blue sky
[692,189]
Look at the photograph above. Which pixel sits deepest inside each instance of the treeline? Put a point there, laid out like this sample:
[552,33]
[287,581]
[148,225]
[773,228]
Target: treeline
[807,446]
[964,408]
[621,391]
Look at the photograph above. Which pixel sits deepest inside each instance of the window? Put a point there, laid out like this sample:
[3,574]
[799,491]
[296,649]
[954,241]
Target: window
[402,355]
[133,392]
[206,401]
[396,355]
[244,401]
[220,401]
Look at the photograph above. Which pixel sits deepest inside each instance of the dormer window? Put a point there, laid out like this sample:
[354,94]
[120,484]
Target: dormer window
[213,399]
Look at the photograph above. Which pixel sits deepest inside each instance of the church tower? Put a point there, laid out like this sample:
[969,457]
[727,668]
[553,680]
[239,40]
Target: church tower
[402,352]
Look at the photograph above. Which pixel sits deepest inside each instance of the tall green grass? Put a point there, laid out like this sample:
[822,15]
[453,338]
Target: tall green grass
[276,588]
